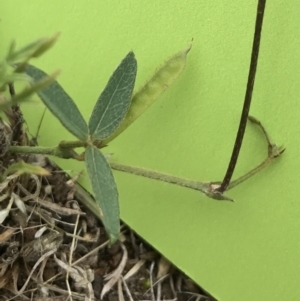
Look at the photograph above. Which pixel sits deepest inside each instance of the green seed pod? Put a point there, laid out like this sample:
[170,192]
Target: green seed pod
[151,91]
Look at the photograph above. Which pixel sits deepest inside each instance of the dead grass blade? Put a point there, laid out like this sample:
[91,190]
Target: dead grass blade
[158,294]
[65,293]
[202,297]
[120,290]
[7,234]
[80,278]
[164,266]
[151,281]
[127,290]
[116,274]
[58,209]
[5,212]
[47,254]
[5,183]
[134,269]
[31,196]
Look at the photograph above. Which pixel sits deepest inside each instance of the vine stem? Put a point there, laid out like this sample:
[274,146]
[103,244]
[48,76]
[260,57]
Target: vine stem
[154,175]
[33,150]
[64,150]
[248,97]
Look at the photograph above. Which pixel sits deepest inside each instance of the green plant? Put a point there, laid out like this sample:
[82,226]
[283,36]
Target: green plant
[9,74]
[114,111]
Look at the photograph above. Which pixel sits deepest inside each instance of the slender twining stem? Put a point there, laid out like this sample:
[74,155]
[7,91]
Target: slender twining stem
[248,96]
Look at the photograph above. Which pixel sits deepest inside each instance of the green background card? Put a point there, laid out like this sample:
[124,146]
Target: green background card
[236,251]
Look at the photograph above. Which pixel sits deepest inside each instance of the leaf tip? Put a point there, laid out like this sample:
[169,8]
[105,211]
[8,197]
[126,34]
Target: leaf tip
[55,74]
[187,50]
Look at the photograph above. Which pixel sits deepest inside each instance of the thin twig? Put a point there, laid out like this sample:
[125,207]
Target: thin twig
[71,257]
[151,281]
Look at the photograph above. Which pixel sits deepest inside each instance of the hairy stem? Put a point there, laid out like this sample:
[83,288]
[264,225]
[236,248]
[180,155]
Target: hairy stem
[57,151]
[196,185]
[33,150]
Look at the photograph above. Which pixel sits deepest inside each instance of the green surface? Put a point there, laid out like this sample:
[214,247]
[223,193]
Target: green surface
[242,251]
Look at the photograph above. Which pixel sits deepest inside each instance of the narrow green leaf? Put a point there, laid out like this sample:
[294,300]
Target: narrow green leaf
[32,50]
[105,190]
[114,101]
[24,168]
[14,56]
[61,105]
[29,91]
[36,87]
[163,78]
[45,45]
[11,50]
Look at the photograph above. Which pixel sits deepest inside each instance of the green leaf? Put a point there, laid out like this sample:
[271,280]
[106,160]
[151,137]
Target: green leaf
[162,79]
[114,101]
[24,168]
[32,50]
[61,105]
[105,190]
[29,91]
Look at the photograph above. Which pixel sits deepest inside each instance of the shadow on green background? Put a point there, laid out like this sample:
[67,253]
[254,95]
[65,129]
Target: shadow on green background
[235,251]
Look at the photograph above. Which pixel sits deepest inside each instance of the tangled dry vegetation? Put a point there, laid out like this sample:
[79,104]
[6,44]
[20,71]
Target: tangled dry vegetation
[53,248]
